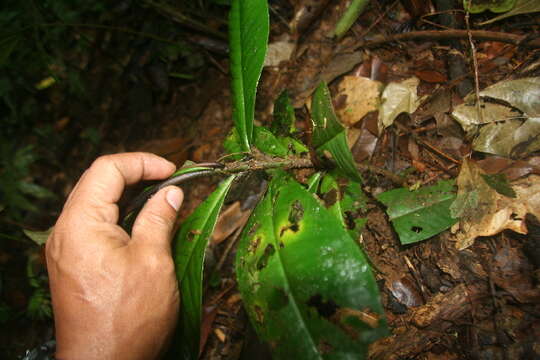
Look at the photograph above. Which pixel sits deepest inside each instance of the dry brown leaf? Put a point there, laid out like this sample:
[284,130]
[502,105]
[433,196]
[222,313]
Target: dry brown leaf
[231,219]
[490,212]
[361,96]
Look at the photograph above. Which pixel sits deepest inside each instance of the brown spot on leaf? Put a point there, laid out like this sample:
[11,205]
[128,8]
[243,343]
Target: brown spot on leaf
[330,198]
[263,260]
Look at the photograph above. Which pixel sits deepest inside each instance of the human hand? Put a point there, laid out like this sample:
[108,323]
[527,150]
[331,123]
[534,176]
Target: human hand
[114,296]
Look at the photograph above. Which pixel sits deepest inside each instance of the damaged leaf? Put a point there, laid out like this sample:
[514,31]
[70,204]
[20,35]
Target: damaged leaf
[345,202]
[492,212]
[499,183]
[306,285]
[421,214]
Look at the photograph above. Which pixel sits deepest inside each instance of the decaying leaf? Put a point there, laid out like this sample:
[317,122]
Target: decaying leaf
[484,212]
[523,94]
[467,115]
[396,99]
[505,131]
[279,51]
[360,96]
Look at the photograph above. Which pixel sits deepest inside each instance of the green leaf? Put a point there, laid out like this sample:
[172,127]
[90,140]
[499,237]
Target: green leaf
[307,287]
[521,7]
[499,183]
[350,16]
[248,36]
[39,237]
[313,182]
[189,249]
[267,142]
[497,6]
[346,202]
[284,117]
[7,45]
[421,214]
[35,190]
[329,135]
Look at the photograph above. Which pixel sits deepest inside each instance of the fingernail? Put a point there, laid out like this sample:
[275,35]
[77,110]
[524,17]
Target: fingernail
[174,197]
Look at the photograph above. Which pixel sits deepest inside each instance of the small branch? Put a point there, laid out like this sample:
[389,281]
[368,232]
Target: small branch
[519,40]
[475,66]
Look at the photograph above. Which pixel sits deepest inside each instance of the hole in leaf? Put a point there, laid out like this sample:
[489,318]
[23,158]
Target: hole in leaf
[330,198]
[263,260]
[297,212]
[416,229]
[324,308]
[191,235]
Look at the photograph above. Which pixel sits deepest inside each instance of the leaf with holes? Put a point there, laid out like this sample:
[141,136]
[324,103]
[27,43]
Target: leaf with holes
[307,287]
[248,37]
[421,214]
[329,135]
[346,201]
[189,247]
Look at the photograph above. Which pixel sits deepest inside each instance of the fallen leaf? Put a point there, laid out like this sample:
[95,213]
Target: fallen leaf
[484,212]
[523,94]
[431,76]
[230,219]
[278,51]
[467,115]
[361,96]
[396,99]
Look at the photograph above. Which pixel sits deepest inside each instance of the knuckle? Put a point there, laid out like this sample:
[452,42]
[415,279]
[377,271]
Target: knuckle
[154,219]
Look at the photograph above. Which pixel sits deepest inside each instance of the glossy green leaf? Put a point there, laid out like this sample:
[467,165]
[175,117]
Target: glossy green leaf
[189,249]
[421,214]
[284,117]
[268,143]
[248,37]
[307,287]
[346,201]
[329,135]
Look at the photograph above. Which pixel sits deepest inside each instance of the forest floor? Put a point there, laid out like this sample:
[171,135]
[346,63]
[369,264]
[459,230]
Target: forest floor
[481,301]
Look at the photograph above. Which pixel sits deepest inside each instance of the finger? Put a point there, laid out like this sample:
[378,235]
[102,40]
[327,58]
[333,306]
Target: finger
[101,186]
[155,222]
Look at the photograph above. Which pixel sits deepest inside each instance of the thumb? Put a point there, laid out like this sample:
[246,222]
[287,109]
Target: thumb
[155,222]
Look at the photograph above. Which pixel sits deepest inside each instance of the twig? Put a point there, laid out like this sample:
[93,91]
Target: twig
[519,40]
[475,65]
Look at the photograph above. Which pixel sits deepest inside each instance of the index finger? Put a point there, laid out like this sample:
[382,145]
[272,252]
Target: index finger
[102,185]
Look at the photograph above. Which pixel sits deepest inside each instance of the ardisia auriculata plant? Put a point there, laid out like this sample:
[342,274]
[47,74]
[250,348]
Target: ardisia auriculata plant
[305,281]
